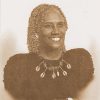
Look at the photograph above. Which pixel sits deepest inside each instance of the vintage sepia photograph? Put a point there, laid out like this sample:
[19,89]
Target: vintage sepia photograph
[49,50]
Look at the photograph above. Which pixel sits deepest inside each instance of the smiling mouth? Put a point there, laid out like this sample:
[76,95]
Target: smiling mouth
[55,39]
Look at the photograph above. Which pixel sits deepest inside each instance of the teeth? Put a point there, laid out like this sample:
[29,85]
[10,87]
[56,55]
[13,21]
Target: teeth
[55,39]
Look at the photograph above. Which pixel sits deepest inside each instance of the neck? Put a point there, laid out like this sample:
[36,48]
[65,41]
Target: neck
[51,54]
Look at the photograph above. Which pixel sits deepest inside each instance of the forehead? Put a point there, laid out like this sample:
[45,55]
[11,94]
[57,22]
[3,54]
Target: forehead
[53,15]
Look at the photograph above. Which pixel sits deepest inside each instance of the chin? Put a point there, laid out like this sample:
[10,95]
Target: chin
[56,46]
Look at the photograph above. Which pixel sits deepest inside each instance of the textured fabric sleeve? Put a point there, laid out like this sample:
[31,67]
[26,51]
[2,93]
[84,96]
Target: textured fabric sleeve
[13,77]
[86,69]
[81,72]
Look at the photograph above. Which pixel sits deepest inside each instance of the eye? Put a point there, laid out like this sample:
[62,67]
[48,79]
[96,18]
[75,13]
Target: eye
[61,24]
[48,25]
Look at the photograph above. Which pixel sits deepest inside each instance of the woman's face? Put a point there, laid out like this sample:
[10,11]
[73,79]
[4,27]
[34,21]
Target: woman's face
[53,29]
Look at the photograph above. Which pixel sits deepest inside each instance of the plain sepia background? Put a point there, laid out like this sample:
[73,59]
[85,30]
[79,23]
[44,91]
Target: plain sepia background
[83,18]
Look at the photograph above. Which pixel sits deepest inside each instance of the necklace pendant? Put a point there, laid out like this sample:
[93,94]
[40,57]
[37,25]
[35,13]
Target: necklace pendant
[68,66]
[42,75]
[53,75]
[57,73]
[37,68]
[64,73]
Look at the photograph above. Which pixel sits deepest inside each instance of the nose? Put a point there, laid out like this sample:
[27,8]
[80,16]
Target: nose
[55,30]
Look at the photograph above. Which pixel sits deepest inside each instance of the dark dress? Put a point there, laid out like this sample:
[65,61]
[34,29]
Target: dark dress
[22,81]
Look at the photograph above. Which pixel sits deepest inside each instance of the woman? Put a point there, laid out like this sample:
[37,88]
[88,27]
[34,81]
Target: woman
[48,71]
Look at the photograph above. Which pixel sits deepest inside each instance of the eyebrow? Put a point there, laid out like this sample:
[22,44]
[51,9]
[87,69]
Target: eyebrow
[52,22]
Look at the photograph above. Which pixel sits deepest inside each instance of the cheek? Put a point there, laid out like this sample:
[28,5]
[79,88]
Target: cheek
[46,32]
[62,31]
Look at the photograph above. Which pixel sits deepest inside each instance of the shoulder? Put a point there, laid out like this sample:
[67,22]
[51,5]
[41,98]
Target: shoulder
[22,57]
[78,52]
[18,65]
[83,65]
[16,73]
[20,62]
[81,58]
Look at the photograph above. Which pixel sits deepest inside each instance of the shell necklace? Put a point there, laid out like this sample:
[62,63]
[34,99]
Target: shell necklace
[61,65]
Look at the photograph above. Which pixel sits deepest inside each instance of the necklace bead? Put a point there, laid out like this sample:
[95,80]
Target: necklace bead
[64,73]
[42,75]
[68,66]
[37,68]
[53,75]
[57,73]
